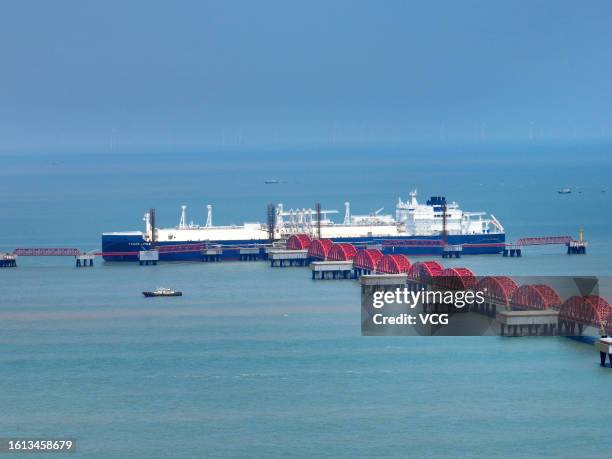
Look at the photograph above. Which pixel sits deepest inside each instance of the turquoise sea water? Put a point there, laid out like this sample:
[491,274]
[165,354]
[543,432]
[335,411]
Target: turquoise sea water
[260,362]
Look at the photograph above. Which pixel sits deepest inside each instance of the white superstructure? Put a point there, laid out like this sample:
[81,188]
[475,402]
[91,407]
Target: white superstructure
[437,215]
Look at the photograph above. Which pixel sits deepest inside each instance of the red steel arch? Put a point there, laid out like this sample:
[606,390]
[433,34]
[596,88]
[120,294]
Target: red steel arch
[393,264]
[498,289]
[424,271]
[456,279]
[367,259]
[590,310]
[342,252]
[299,242]
[319,248]
[535,297]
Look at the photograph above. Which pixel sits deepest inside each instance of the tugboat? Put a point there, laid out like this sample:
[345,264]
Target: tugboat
[162,292]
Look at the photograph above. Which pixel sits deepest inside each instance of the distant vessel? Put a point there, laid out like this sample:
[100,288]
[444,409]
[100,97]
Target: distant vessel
[565,191]
[415,229]
[161,291]
[271,182]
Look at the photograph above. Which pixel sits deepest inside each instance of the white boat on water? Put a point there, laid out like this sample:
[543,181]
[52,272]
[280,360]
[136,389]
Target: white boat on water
[162,291]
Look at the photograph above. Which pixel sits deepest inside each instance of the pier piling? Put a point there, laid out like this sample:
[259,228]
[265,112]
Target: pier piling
[604,345]
[576,247]
[287,257]
[8,260]
[528,323]
[148,257]
[212,254]
[332,269]
[84,260]
[450,251]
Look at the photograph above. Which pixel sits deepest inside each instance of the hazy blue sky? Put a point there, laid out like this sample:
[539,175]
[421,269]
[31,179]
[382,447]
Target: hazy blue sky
[186,74]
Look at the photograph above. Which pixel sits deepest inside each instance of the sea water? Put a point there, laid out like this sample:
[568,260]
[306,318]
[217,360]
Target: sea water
[254,361]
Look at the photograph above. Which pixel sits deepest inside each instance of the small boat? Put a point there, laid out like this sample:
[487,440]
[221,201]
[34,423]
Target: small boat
[162,292]
[271,182]
[565,191]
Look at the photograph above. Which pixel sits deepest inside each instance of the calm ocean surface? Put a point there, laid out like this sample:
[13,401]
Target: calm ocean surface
[260,362]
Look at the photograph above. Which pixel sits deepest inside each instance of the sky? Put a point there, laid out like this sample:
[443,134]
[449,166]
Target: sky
[137,75]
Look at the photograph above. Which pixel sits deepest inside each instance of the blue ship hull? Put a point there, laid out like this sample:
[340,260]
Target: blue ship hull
[118,247]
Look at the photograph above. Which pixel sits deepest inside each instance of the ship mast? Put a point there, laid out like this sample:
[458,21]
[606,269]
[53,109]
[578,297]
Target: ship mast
[318,210]
[444,233]
[209,216]
[271,221]
[347,213]
[152,223]
[182,221]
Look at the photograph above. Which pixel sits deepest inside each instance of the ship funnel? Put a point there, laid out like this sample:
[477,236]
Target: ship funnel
[209,216]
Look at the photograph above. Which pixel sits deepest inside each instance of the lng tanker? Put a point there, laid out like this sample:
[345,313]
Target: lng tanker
[416,229]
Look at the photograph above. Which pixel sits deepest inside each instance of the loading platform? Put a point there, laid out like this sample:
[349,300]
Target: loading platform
[211,254]
[84,260]
[604,346]
[288,257]
[528,323]
[332,269]
[148,257]
[8,260]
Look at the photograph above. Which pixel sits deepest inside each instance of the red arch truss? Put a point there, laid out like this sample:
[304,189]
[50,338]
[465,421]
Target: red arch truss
[590,310]
[299,242]
[456,279]
[319,248]
[393,264]
[424,271]
[535,297]
[342,252]
[498,289]
[367,259]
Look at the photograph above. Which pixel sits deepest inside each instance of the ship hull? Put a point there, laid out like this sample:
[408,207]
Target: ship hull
[117,247]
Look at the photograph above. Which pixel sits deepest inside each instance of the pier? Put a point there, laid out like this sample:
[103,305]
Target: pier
[528,323]
[576,247]
[211,254]
[512,250]
[450,251]
[84,260]
[8,260]
[332,269]
[288,257]
[148,257]
[249,254]
[604,346]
